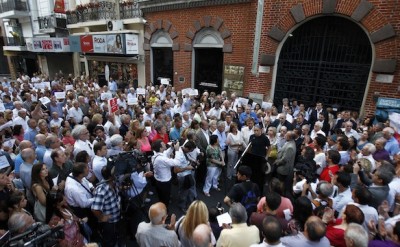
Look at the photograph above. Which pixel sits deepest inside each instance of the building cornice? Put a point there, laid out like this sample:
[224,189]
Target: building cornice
[148,6]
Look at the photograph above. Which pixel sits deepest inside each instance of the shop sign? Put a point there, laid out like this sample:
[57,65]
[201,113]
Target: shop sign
[48,44]
[75,43]
[115,44]
[99,44]
[87,43]
[131,44]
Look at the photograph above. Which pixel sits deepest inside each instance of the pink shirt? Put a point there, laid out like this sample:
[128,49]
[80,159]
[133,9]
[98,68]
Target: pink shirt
[285,204]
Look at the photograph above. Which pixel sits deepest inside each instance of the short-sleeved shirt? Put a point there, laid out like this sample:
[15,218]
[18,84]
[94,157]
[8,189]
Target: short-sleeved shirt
[237,193]
[107,200]
[259,144]
[212,153]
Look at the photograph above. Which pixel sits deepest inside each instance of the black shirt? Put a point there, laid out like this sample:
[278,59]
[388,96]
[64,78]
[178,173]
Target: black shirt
[259,144]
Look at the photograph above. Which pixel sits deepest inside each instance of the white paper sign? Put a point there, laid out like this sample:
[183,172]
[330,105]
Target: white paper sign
[165,81]
[148,128]
[243,101]
[4,162]
[395,121]
[105,96]
[194,92]
[47,84]
[59,95]
[224,219]
[69,87]
[2,108]
[140,91]
[132,101]
[39,86]
[266,105]
[44,100]
[186,91]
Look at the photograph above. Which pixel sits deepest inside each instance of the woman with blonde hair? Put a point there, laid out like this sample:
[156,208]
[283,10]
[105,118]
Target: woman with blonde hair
[197,214]
[134,126]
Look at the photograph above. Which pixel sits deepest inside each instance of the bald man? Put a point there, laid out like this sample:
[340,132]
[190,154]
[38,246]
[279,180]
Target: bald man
[202,236]
[156,233]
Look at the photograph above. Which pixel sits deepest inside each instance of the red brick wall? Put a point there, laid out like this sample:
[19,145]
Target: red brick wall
[240,19]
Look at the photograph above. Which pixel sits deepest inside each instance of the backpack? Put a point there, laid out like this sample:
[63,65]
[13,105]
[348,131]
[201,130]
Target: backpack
[249,200]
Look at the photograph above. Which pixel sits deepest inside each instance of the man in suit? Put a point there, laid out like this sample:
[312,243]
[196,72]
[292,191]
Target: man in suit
[281,121]
[325,124]
[345,118]
[202,141]
[315,112]
[285,162]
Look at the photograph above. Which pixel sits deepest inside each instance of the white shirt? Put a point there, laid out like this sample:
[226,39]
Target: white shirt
[147,117]
[47,158]
[370,158]
[162,165]
[232,139]
[56,122]
[206,135]
[76,195]
[76,114]
[214,113]
[107,126]
[183,162]
[264,244]
[20,121]
[246,133]
[83,146]
[98,164]
[341,200]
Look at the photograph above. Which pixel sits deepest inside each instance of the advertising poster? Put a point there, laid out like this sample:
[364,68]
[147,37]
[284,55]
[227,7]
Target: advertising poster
[99,43]
[114,44]
[87,43]
[131,44]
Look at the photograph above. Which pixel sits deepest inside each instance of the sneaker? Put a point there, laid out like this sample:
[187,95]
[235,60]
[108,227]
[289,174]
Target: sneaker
[207,194]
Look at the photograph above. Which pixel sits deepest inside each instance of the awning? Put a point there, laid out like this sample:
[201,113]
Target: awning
[133,59]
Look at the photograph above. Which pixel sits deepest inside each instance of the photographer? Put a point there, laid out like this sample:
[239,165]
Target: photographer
[186,182]
[162,169]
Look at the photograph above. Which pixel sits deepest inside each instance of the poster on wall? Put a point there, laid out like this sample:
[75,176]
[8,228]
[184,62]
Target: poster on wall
[131,44]
[233,79]
[114,44]
[87,43]
[99,43]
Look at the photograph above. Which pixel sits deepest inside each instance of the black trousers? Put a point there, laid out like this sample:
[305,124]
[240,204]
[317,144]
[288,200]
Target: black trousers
[110,234]
[164,191]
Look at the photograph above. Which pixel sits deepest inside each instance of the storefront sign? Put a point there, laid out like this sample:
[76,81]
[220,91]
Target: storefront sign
[48,44]
[131,44]
[75,43]
[114,44]
[99,43]
[87,43]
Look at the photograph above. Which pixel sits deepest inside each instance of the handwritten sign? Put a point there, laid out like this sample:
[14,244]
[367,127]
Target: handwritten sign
[113,105]
[59,95]
[165,81]
[105,96]
[69,87]
[140,91]
[266,105]
[243,101]
[44,100]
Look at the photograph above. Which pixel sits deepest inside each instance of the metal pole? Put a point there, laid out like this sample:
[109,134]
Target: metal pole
[245,151]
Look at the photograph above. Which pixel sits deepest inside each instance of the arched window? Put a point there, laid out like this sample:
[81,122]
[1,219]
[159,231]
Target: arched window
[162,60]
[327,59]
[208,60]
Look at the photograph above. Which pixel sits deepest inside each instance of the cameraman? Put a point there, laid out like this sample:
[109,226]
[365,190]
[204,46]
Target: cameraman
[162,168]
[19,223]
[186,182]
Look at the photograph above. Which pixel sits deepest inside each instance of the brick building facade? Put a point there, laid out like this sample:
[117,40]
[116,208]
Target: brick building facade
[237,21]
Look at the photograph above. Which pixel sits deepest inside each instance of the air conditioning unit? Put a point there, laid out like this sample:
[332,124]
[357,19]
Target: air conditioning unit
[116,25]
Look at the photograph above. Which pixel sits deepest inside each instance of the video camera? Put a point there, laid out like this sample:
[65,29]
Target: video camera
[37,235]
[128,162]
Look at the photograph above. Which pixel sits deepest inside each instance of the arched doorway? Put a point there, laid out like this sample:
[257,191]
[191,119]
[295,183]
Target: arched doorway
[162,58]
[208,60]
[327,59]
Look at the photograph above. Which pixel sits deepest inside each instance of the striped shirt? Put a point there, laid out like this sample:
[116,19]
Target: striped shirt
[107,200]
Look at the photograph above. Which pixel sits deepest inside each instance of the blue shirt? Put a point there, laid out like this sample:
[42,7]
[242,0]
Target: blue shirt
[9,106]
[244,116]
[40,150]
[175,134]
[344,157]
[392,146]
[18,161]
[30,135]
[221,139]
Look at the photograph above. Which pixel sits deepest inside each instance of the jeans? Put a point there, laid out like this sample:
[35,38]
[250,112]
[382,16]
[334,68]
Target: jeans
[232,159]
[213,173]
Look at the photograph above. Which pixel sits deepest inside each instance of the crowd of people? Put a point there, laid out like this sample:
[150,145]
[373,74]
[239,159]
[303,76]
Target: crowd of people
[325,177]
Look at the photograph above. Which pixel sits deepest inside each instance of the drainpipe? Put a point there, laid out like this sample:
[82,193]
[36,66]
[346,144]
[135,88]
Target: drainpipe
[257,37]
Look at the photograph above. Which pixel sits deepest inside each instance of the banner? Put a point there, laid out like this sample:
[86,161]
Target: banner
[114,44]
[112,103]
[59,7]
[87,43]
[48,44]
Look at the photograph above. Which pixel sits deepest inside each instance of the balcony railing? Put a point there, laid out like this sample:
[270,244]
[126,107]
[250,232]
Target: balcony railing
[129,10]
[9,5]
[103,11]
[52,22]
[14,41]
